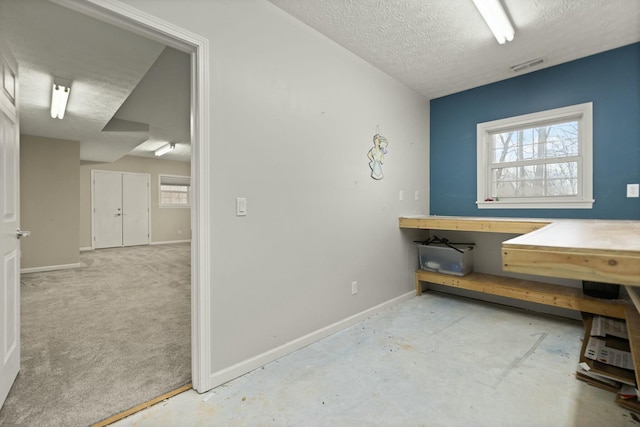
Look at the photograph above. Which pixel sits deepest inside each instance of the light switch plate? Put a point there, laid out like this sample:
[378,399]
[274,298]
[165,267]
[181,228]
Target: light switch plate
[633,190]
[241,206]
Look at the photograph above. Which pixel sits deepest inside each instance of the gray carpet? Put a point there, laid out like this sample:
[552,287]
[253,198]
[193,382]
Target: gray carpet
[103,338]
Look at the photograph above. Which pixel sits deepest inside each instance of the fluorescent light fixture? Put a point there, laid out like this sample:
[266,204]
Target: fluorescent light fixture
[496,18]
[59,98]
[164,149]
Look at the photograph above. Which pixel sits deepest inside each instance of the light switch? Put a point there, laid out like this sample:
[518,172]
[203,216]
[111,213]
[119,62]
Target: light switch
[241,206]
[633,190]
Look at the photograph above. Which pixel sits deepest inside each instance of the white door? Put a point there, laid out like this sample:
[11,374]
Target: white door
[107,209]
[120,209]
[9,224]
[135,208]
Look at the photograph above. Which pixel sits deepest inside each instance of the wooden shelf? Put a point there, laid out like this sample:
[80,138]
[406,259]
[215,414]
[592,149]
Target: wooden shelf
[527,290]
[487,225]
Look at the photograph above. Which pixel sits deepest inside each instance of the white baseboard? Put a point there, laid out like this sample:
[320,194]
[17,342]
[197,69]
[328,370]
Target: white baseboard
[239,369]
[49,268]
[170,242]
[88,248]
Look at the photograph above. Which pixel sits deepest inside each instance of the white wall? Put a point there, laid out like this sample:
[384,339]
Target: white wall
[49,197]
[293,116]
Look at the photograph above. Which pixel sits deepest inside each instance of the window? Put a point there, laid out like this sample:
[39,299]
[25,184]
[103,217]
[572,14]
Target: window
[539,160]
[175,191]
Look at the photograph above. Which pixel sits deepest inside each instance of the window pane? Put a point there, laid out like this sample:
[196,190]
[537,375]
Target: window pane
[504,182]
[551,179]
[539,142]
[562,140]
[174,195]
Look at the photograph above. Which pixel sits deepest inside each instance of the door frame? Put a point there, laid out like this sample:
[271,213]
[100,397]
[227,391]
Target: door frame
[93,199]
[131,19]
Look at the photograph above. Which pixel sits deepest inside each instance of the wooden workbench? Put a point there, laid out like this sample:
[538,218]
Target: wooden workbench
[595,250]
[472,223]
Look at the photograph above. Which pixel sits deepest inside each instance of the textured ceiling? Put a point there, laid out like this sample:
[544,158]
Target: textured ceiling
[439,47]
[106,66]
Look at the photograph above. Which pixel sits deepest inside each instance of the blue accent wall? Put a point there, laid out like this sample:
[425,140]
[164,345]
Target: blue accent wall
[611,80]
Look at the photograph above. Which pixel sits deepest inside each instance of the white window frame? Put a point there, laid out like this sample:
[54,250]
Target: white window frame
[177,177]
[584,198]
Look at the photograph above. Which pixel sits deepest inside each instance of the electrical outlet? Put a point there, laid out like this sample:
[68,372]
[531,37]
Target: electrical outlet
[354,288]
[633,190]
[401,196]
[416,195]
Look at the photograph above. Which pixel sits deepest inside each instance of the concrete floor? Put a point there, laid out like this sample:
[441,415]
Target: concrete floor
[435,360]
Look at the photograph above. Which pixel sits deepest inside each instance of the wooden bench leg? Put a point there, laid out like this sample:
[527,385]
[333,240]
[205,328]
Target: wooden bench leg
[418,286]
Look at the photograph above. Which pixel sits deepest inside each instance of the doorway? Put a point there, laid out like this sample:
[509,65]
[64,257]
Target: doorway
[201,279]
[198,49]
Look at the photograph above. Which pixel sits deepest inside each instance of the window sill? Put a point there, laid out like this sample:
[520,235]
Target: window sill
[499,204]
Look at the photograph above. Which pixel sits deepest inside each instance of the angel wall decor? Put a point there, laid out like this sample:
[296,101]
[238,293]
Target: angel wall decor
[376,156]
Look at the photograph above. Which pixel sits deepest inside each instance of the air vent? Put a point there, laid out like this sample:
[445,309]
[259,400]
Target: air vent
[525,65]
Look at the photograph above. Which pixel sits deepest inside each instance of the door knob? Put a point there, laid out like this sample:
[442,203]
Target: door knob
[21,233]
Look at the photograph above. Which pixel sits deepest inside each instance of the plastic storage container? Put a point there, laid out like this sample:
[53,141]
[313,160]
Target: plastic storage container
[445,259]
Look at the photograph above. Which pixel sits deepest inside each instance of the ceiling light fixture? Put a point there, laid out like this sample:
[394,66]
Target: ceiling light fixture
[496,18]
[59,98]
[164,149]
